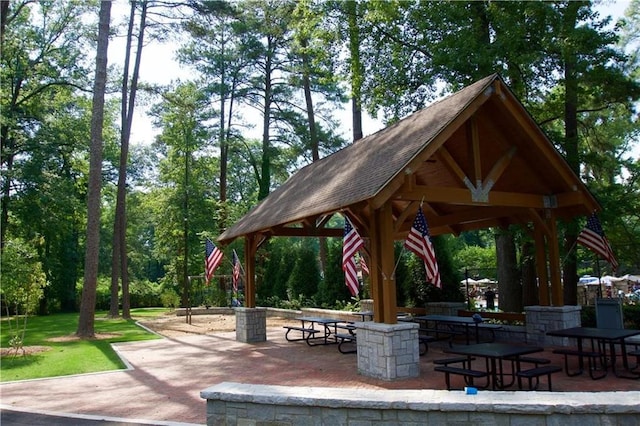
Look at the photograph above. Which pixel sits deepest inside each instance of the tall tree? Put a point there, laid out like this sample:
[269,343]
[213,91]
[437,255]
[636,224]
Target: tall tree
[186,167]
[41,53]
[220,51]
[119,262]
[88,303]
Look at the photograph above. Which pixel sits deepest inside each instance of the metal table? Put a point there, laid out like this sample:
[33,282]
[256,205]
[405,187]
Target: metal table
[494,354]
[451,320]
[610,336]
[329,328]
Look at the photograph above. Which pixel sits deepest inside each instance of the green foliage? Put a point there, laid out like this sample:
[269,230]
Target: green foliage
[23,280]
[170,298]
[305,275]
[22,288]
[401,55]
[332,288]
[477,260]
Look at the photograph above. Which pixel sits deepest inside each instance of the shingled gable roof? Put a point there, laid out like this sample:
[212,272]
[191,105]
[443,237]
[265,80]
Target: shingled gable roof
[365,169]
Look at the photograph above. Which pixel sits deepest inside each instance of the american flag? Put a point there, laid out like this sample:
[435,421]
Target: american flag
[592,237]
[419,242]
[236,271]
[363,265]
[213,257]
[352,243]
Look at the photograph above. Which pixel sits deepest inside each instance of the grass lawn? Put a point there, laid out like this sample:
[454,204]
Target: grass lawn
[65,355]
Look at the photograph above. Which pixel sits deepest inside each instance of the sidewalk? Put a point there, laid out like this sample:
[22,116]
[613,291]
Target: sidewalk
[166,376]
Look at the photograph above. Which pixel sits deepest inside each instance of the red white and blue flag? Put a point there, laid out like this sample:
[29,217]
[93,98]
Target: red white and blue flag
[419,242]
[236,271]
[592,237]
[212,259]
[351,244]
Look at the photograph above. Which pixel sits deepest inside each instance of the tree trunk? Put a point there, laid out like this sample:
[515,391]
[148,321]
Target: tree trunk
[88,302]
[265,175]
[570,267]
[357,73]
[509,288]
[529,275]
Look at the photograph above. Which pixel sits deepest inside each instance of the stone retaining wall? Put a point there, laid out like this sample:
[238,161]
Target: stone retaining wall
[267,405]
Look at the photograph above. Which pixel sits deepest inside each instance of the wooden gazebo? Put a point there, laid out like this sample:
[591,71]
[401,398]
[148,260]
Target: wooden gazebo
[475,159]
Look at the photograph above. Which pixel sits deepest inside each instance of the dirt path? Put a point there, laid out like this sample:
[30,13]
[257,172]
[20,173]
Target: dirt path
[171,325]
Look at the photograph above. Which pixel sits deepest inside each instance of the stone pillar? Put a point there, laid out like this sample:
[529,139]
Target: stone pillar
[366,305]
[541,319]
[388,351]
[445,308]
[251,325]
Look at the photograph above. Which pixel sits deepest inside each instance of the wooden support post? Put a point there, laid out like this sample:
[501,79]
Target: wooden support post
[389,300]
[557,298]
[375,276]
[250,249]
[541,266]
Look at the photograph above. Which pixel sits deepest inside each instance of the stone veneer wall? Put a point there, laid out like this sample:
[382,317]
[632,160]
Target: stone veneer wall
[541,319]
[251,325]
[266,405]
[444,308]
[388,351]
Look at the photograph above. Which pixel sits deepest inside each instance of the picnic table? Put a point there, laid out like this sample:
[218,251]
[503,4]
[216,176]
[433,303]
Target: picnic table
[494,355]
[449,326]
[315,330]
[600,338]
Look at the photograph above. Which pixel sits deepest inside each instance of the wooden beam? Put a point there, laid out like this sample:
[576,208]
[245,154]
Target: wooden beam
[375,275]
[462,196]
[557,298]
[387,264]
[541,234]
[475,146]
[499,168]
[307,232]
[408,212]
[451,164]
[541,265]
[530,128]
[430,149]
[250,248]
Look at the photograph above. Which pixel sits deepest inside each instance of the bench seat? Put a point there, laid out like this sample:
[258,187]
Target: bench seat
[468,374]
[535,373]
[306,332]
[346,338]
[591,356]
[423,341]
[466,361]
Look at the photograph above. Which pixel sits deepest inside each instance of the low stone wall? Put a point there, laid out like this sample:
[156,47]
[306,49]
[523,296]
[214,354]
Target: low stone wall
[246,404]
[512,333]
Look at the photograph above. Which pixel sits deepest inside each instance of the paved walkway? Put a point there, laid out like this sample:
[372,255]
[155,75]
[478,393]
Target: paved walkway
[166,376]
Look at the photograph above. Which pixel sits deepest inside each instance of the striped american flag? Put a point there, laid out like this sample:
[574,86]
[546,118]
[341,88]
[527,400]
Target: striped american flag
[351,244]
[419,242]
[236,271]
[212,259]
[592,237]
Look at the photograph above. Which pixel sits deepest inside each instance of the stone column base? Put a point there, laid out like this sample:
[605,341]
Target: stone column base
[541,319]
[388,351]
[251,325]
[445,308]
